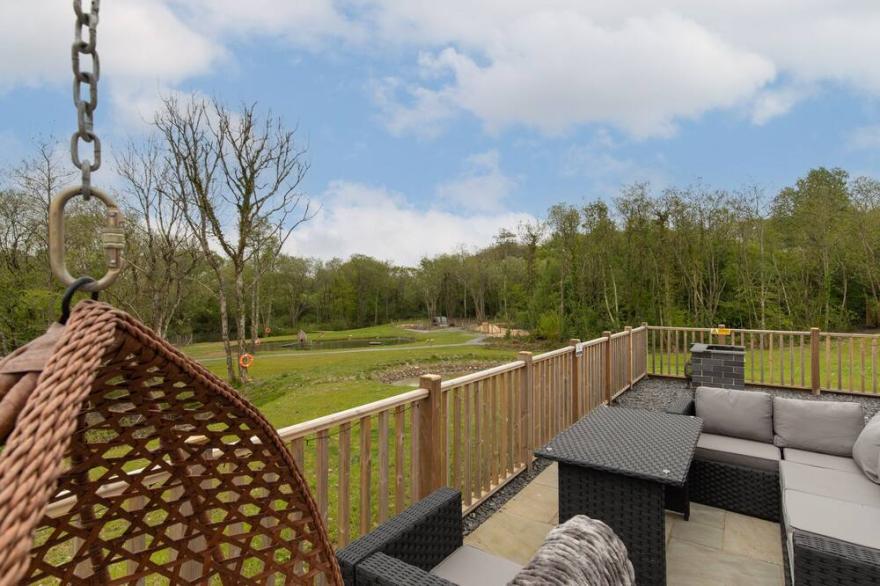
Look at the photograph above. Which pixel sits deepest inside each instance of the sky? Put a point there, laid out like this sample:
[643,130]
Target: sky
[431,125]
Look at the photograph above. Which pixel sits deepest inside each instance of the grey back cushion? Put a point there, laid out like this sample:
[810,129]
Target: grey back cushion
[866,450]
[742,414]
[828,427]
[580,552]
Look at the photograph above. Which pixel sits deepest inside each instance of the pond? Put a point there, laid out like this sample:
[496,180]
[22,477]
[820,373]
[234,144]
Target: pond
[336,344]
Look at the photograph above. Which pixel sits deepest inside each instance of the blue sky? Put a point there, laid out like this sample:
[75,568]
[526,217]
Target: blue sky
[430,125]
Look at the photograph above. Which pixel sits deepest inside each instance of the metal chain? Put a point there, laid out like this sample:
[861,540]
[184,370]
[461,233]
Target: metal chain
[86,23]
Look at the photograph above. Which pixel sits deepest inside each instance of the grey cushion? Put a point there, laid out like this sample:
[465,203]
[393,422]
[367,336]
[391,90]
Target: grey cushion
[829,427]
[833,518]
[851,487]
[744,414]
[820,460]
[469,566]
[580,552]
[737,451]
[866,450]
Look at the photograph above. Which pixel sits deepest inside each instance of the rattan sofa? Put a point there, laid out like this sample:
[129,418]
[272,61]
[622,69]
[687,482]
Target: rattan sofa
[829,511]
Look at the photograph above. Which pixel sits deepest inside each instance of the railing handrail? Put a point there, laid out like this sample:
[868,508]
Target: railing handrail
[758,331]
[481,375]
[553,353]
[306,428]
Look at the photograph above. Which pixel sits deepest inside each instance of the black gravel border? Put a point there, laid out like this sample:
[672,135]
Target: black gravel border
[494,503]
[656,393]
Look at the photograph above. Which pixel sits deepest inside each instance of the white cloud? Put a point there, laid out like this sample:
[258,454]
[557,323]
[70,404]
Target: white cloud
[639,65]
[482,187]
[606,170]
[410,109]
[777,102]
[363,219]
[300,22]
[556,70]
[865,138]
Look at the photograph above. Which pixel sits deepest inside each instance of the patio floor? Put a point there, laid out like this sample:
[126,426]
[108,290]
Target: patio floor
[715,547]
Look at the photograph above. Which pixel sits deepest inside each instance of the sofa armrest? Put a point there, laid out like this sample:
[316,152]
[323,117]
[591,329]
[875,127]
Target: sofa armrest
[682,406]
[422,536]
[822,560]
[383,570]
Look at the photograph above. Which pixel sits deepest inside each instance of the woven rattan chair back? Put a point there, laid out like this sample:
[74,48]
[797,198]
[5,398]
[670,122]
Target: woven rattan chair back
[131,463]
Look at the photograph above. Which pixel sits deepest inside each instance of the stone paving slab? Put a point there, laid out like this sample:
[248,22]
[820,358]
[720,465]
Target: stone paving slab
[715,547]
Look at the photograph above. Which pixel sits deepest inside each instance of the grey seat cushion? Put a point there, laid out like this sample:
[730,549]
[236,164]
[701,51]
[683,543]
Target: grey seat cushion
[831,517]
[851,487]
[866,450]
[820,460]
[737,451]
[580,552]
[828,427]
[469,566]
[743,414]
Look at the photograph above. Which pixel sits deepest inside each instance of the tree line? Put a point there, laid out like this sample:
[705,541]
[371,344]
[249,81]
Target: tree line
[212,196]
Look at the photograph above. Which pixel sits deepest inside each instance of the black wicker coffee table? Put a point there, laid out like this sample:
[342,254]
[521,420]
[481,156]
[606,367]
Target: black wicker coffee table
[621,465]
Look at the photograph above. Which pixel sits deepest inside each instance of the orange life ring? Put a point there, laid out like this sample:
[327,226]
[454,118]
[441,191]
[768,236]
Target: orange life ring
[245,360]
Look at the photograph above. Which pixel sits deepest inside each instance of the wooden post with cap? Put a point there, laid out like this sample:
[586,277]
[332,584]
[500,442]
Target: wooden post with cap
[575,381]
[430,437]
[815,382]
[607,367]
[527,431]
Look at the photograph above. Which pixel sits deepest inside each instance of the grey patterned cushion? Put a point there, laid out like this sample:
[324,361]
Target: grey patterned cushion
[580,552]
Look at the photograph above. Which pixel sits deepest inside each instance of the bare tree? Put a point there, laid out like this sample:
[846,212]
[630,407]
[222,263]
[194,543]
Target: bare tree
[193,163]
[238,175]
[263,166]
[39,178]
[162,250]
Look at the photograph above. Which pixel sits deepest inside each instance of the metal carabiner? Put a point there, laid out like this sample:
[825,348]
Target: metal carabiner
[112,236]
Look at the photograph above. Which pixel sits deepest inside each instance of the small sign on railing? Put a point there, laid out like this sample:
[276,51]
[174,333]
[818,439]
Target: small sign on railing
[579,348]
[720,331]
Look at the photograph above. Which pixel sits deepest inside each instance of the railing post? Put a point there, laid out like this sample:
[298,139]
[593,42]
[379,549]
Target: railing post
[645,346]
[722,339]
[575,381]
[430,437]
[629,358]
[607,367]
[527,431]
[815,382]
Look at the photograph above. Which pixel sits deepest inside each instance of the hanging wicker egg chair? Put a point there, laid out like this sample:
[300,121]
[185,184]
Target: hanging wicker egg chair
[131,463]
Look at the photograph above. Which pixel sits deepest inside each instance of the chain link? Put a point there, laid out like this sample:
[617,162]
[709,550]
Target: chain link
[85,44]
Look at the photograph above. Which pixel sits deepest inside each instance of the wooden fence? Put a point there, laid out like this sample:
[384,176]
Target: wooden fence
[474,433]
[804,360]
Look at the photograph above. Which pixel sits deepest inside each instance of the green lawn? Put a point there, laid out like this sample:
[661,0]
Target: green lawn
[290,387]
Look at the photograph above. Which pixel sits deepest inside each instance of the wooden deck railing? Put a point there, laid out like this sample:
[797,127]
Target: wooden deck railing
[475,432]
[805,360]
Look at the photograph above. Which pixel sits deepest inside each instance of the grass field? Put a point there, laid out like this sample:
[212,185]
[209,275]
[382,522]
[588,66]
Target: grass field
[294,386]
